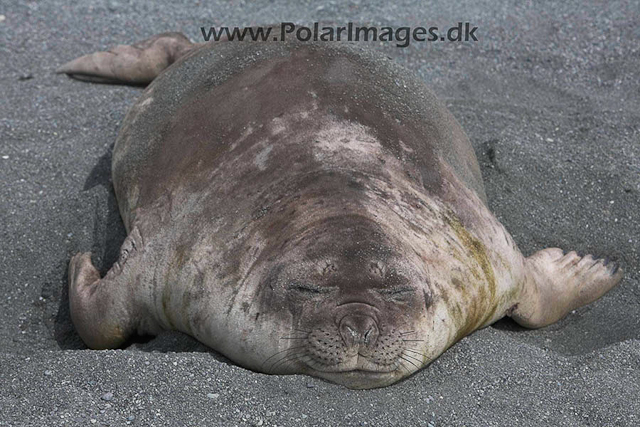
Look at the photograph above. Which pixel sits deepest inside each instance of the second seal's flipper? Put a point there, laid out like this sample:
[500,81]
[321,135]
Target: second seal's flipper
[136,64]
[556,283]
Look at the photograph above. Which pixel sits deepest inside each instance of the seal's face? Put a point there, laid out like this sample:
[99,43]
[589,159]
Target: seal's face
[349,307]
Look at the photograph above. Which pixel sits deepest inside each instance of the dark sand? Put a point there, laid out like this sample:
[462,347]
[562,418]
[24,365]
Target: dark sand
[550,99]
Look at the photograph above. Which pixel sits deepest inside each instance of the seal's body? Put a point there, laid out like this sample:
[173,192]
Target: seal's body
[306,208]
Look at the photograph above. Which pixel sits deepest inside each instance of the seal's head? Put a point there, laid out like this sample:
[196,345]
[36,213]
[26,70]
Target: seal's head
[348,306]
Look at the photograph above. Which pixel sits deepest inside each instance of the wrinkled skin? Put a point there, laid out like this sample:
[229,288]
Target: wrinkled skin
[310,209]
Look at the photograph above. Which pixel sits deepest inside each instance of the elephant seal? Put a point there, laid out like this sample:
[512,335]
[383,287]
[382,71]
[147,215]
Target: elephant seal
[305,208]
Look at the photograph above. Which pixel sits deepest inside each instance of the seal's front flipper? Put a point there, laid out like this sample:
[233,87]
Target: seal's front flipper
[103,311]
[556,283]
[137,64]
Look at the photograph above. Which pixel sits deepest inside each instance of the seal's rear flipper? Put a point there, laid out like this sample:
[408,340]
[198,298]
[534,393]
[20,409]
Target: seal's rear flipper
[556,283]
[137,64]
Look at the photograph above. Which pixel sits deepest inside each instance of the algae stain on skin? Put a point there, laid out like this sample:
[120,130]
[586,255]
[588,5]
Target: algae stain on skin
[480,307]
[475,248]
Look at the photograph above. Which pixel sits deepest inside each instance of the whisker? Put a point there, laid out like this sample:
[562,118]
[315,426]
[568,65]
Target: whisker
[279,352]
[409,362]
[414,358]
[293,338]
[301,330]
[413,340]
[304,358]
[413,351]
[280,360]
[286,359]
[407,333]
[402,365]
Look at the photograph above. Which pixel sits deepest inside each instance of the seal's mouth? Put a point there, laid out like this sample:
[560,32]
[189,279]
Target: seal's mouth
[338,370]
[366,373]
[357,365]
[359,378]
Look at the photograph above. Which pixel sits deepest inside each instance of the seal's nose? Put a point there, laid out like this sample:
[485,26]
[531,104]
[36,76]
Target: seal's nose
[359,330]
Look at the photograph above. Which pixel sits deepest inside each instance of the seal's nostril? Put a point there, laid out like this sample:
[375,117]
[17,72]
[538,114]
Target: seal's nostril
[367,335]
[353,332]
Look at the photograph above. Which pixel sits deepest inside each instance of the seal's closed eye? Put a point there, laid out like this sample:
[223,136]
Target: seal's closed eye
[308,289]
[398,293]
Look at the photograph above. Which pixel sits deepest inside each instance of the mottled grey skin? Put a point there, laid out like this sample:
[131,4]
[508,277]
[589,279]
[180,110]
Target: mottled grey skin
[306,208]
